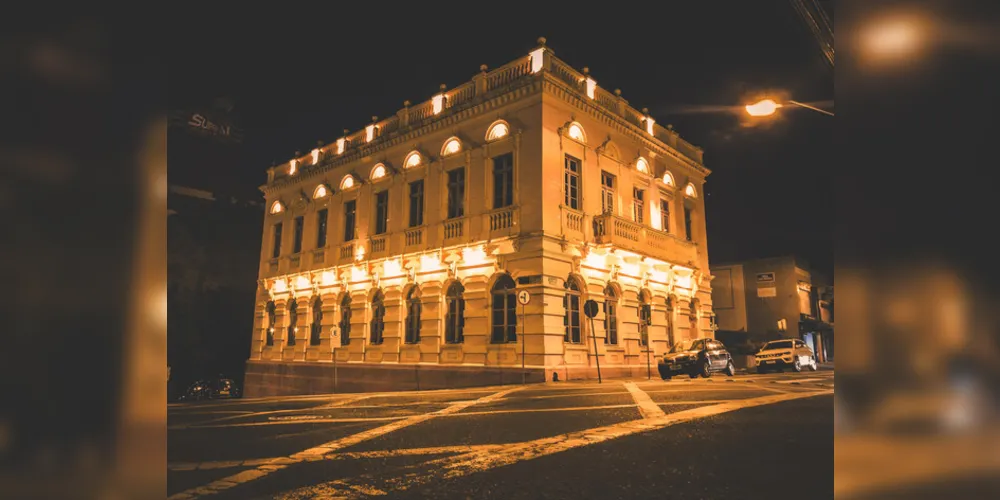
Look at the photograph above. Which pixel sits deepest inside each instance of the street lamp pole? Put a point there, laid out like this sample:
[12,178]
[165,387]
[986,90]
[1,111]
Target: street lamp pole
[767,107]
[825,112]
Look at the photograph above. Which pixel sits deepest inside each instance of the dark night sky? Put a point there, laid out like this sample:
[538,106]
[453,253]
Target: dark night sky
[302,76]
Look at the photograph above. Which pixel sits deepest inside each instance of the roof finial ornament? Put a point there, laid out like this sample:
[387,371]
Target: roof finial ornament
[298,153]
[645,111]
[618,92]
[443,87]
[541,41]
[346,132]
[374,118]
[482,67]
[406,103]
[586,70]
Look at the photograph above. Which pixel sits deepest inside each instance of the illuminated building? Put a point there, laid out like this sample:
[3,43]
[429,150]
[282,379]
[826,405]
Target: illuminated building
[401,246]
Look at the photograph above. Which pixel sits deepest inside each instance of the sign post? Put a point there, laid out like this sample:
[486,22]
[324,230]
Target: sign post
[523,297]
[590,310]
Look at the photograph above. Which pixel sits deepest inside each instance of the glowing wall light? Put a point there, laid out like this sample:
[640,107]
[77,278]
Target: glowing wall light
[591,87]
[649,125]
[576,132]
[658,276]
[301,283]
[358,274]
[683,281]
[430,263]
[536,59]
[498,130]
[668,179]
[690,190]
[280,286]
[347,183]
[328,278]
[370,133]
[596,261]
[473,256]
[392,268]
[359,254]
[293,167]
[629,269]
[341,143]
[315,155]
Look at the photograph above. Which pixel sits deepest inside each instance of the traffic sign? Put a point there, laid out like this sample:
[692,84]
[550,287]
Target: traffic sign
[523,297]
[590,308]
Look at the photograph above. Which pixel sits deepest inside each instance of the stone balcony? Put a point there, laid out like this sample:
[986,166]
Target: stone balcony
[628,235]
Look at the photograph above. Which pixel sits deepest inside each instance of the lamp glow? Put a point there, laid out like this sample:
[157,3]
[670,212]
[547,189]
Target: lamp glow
[762,108]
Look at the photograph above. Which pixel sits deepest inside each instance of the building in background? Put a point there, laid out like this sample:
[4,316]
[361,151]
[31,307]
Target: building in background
[766,299]
[392,258]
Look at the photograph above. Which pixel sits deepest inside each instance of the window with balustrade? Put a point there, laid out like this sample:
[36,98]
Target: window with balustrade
[503,180]
[454,328]
[504,310]
[316,328]
[571,180]
[345,320]
[456,193]
[297,234]
[607,193]
[276,242]
[610,316]
[571,318]
[688,224]
[638,204]
[350,215]
[381,212]
[322,218]
[413,311]
[665,215]
[417,203]
[377,324]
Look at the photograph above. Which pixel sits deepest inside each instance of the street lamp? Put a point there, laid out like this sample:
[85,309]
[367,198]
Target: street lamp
[768,107]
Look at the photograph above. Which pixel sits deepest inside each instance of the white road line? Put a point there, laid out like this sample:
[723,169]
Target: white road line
[647,407]
[210,423]
[300,421]
[435,471]
[228,464]
[318,451]
[797,380]
[532,410]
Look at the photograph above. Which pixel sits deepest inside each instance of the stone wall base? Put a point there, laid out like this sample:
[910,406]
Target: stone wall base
[276,378]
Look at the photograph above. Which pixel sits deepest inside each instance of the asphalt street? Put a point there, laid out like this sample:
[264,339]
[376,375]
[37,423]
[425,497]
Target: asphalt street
[748,436]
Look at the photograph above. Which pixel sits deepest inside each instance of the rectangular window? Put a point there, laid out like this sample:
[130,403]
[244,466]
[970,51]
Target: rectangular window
[638,204]
[350,209]
[665,215]
[456,193]
[687,223]
[297,240]
[571,178]
[321,220]
[276,244]
[607,193]
[381,212]
[416,203]
[503,180]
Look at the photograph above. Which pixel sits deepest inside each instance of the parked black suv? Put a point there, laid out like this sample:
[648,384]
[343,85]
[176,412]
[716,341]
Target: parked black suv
[696,357]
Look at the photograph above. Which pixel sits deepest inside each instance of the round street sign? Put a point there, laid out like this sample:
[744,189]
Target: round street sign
[590,308]
[523,297]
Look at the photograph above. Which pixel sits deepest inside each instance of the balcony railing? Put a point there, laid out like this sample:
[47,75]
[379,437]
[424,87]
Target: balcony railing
[454,229]
[414,236]
[319,256]
[347,251]
[626,234]
[378,244]
[574,220]
[502,219]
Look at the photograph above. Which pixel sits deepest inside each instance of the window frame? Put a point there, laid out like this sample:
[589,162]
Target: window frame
[503,181]
[417,202]
[571,199]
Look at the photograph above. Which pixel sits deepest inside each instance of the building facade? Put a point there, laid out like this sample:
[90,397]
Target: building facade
[772,298]
[392,258]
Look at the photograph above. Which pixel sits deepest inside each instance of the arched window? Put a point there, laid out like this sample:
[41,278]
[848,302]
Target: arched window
[317,324]
[498,130]
[269,332]
[413,309]
[378,318]
[670,321]
[454,321]
[610,316]
[642,165]
[378,172]
[575,132]
[571,319]
[668,179]
[645,317]
[293,321]
[451,146]
[320,192]
[504,299]
[412,160]
[347,182]
[691,191]
[276,207]
[345,320]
